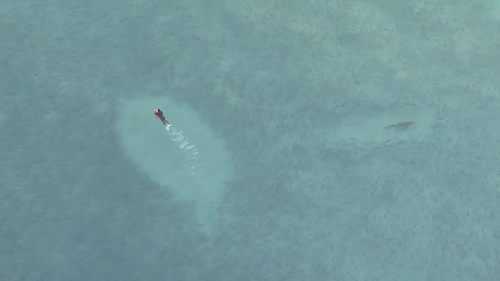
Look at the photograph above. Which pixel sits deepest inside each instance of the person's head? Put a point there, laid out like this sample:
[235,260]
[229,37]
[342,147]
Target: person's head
[157,111]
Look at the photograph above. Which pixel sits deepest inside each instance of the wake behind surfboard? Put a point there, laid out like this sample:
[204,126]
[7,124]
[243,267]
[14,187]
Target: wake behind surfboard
[191,152]
[183,142]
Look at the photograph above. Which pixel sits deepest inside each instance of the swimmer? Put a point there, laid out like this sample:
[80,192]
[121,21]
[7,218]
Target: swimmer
[161,117]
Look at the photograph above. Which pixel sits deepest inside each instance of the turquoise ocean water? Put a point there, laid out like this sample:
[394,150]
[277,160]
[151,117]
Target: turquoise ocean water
[311,140]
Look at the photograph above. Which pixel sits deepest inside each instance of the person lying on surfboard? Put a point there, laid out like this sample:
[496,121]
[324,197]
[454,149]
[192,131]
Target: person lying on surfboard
[161,117]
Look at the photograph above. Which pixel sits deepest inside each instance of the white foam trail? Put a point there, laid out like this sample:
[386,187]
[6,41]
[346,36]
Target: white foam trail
[189,149]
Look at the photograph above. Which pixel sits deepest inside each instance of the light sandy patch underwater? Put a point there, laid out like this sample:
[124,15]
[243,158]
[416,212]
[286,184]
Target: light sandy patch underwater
[165,155]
